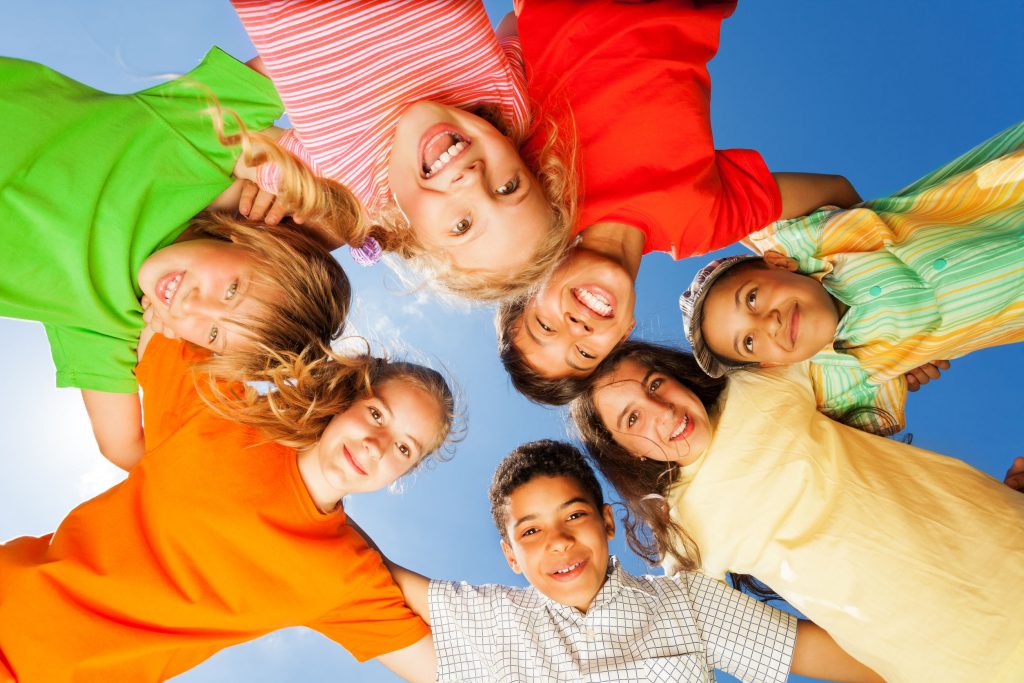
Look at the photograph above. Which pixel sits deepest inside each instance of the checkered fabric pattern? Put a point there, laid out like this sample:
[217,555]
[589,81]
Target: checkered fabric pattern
[649,628]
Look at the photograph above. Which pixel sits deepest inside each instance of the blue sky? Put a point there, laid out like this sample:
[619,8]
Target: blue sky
[879,91]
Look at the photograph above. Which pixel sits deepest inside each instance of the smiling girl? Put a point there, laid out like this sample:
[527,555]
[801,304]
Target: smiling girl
[224,532]
[901,554]
[97,191]
[419,109]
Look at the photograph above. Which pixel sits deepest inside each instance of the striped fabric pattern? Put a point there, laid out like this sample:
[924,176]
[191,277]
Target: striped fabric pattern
[346,70]
[932,272]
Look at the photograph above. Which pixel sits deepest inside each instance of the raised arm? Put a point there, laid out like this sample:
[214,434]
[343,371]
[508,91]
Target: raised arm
[802,193]
[117,425]
[818,656]
[415,663]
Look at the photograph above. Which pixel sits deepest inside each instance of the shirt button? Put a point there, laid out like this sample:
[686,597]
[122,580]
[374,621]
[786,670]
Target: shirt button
[939,264]
[875,291]
[590,634]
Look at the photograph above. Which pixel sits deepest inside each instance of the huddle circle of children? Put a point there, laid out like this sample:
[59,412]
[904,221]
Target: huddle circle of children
[182,247]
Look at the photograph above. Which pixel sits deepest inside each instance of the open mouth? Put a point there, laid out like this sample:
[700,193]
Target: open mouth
[352,461]
[167,287]
[682,430]
[598,301]
[439,146]
[569,571]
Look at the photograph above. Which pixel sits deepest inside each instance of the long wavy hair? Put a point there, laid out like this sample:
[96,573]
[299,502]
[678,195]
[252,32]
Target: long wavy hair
[644,485]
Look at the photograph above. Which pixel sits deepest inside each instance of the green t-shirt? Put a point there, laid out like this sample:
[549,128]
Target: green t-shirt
[92,183]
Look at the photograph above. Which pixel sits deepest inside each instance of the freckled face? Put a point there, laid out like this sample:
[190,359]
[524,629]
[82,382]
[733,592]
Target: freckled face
[196,286]
[582,312]
[768,315]
[652,415]
[558,539]
[465,189]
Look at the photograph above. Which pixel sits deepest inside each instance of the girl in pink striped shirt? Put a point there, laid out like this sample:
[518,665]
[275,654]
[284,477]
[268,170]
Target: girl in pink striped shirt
[419,109]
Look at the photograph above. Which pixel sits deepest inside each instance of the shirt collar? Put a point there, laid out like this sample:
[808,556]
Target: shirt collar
[609,591]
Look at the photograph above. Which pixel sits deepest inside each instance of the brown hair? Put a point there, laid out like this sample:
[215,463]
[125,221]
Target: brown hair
[556,168]
[305,390]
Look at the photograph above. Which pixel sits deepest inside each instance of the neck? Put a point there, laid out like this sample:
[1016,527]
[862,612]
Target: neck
[323,495]
[617,241]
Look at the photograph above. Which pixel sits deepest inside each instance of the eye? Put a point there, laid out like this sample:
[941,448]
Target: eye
[213,334]
[404,450]
[654,385]
[748,343]
[752,297]
[576,515]
[543,326]
[462,227]
[585,354]
[376,415]
[529,532]
[631,419]
[509,187]
[232,289]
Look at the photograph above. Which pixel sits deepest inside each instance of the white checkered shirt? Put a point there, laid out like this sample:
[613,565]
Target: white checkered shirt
[639,628]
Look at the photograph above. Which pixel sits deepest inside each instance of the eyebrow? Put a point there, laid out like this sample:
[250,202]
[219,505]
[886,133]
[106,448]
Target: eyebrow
[568,503]
[622,415]
[736,340]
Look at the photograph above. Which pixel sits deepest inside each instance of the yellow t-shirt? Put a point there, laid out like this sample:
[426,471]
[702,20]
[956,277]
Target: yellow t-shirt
[911,560]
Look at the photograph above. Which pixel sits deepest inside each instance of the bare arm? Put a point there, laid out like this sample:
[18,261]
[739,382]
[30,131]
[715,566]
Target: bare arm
[802,193]
[415,663]
[818,656]
[117,425]
[413,586]
[508,26]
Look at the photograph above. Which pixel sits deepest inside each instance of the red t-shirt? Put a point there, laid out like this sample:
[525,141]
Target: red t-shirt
[635,78]
[212,540]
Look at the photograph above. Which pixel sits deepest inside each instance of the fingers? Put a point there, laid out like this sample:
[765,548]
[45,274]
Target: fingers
[247,197]
[275,213]
[923,374]
[1015,475]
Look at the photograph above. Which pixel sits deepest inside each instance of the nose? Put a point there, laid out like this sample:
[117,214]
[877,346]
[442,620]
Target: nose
[469,175]
[374,445]
[198,303]
[578,325]
[771,321]
[560,540]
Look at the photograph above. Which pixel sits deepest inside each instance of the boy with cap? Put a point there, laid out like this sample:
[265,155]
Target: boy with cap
[584,617]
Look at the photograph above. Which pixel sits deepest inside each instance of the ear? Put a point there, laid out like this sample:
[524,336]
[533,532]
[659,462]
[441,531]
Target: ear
[510,557]
[776,260]
[609,520]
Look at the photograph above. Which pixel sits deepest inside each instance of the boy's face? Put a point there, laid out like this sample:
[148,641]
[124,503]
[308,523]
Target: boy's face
[558,538]
[583,311]
[465,189]
[195,287]
[769,315]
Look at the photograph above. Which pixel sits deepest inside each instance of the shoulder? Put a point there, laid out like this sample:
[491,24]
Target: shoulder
[461,598]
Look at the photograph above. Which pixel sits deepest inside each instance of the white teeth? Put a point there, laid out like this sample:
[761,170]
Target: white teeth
[681,428]
[594,302]
[568,569]
[446,156]
[171,288]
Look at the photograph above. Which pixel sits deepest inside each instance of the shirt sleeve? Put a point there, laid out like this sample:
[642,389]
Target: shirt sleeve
[843,391]
[745,638]
[463,621]
[169,396]
[376,620]
[87,359]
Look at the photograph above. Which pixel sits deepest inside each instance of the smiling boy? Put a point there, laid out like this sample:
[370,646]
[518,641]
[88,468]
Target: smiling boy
[584,617]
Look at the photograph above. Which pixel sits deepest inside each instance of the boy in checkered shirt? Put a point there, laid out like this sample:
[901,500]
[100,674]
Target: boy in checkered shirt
[584,617]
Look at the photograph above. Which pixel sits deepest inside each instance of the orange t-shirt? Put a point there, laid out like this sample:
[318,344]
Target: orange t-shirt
[632,80]
[210,541]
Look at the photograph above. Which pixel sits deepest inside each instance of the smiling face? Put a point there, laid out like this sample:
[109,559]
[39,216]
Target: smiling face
[583,311]
[558,538]
[197,286]
[768,314]
[652,415]
[465,189]
[372,443]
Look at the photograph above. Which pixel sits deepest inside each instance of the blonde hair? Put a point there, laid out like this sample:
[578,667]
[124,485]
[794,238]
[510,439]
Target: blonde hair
[306,390]
[556,169]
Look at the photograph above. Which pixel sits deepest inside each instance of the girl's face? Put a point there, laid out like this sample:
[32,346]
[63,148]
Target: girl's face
[768,315]
[195,287]
[652,415]
[372,443]
[583,311]
[465,189]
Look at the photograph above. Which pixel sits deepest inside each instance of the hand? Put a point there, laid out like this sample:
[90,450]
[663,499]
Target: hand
[258,204]
[1015,475]
[923,374]
[153,321]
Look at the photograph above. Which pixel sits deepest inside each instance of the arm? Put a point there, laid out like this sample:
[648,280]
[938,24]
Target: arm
[413,586]
[802,193]
[507,26]
[117,425]
[818,656]
[416,662]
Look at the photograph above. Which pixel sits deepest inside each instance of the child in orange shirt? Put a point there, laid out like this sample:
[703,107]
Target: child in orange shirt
[220,535]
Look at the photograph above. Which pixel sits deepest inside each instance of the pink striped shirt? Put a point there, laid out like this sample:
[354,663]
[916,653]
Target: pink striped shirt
[347,70]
